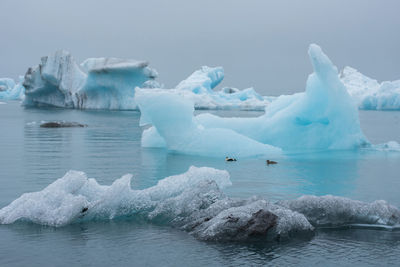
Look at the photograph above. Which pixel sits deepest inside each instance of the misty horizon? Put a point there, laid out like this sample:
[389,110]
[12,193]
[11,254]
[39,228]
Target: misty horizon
[260,44]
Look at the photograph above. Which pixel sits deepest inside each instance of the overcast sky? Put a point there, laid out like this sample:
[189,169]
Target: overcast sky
[261,44]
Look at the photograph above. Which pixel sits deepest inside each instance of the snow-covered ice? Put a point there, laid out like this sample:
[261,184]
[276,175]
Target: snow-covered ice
[194,202]
[369,93]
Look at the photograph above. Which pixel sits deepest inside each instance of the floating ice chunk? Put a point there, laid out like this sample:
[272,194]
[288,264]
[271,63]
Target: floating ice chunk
[63,201]
[199,86]
[203,80]
[9,90]
[182,133]
[368,93]
[323,117]
[194,202]
[98,83]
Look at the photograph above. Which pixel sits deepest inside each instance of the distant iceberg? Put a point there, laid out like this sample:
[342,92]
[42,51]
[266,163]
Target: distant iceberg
[323,117]
[109,83]
[199,88]
[369,93]
[9,90]
[194,202]
[98,83]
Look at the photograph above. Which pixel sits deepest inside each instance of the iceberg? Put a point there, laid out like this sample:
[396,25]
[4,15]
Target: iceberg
[369,93]
[203,80]
[194,202]
[182,133]
[98,83]
[111,82]
[9,90]
[199,88]
[323,117]
[6,84]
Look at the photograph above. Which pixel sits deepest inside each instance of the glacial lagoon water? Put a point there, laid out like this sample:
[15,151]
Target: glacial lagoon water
[32,157]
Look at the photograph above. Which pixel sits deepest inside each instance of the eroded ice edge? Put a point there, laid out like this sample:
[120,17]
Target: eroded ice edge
[194,202]
[324,117]
[369,93]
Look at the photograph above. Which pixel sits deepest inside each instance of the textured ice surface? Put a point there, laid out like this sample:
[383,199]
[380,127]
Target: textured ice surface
[54,82]
[194,202]
[198,88]
[98,83]
[203,80]
[9,90]
[336,211]
[323,117]
[6,84]
[172,117]
[369,93]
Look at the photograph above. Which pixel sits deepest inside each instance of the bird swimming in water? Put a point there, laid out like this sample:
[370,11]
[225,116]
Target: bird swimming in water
[271,162]
[229,159]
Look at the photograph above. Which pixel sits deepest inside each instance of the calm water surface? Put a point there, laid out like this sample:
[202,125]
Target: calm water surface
[32,157]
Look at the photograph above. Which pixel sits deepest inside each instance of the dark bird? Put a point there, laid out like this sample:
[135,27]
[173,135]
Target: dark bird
[271,162]
[229,159]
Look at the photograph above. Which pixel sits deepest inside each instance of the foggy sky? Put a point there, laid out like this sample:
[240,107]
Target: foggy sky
[260,44]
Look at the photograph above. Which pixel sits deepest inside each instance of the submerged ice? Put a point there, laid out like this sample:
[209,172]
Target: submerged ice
[323,117]
[194,202]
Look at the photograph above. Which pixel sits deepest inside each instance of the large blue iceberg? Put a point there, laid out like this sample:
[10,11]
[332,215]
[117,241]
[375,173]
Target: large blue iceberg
[172,117]
[323,117]
[369,93]
[98,83]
